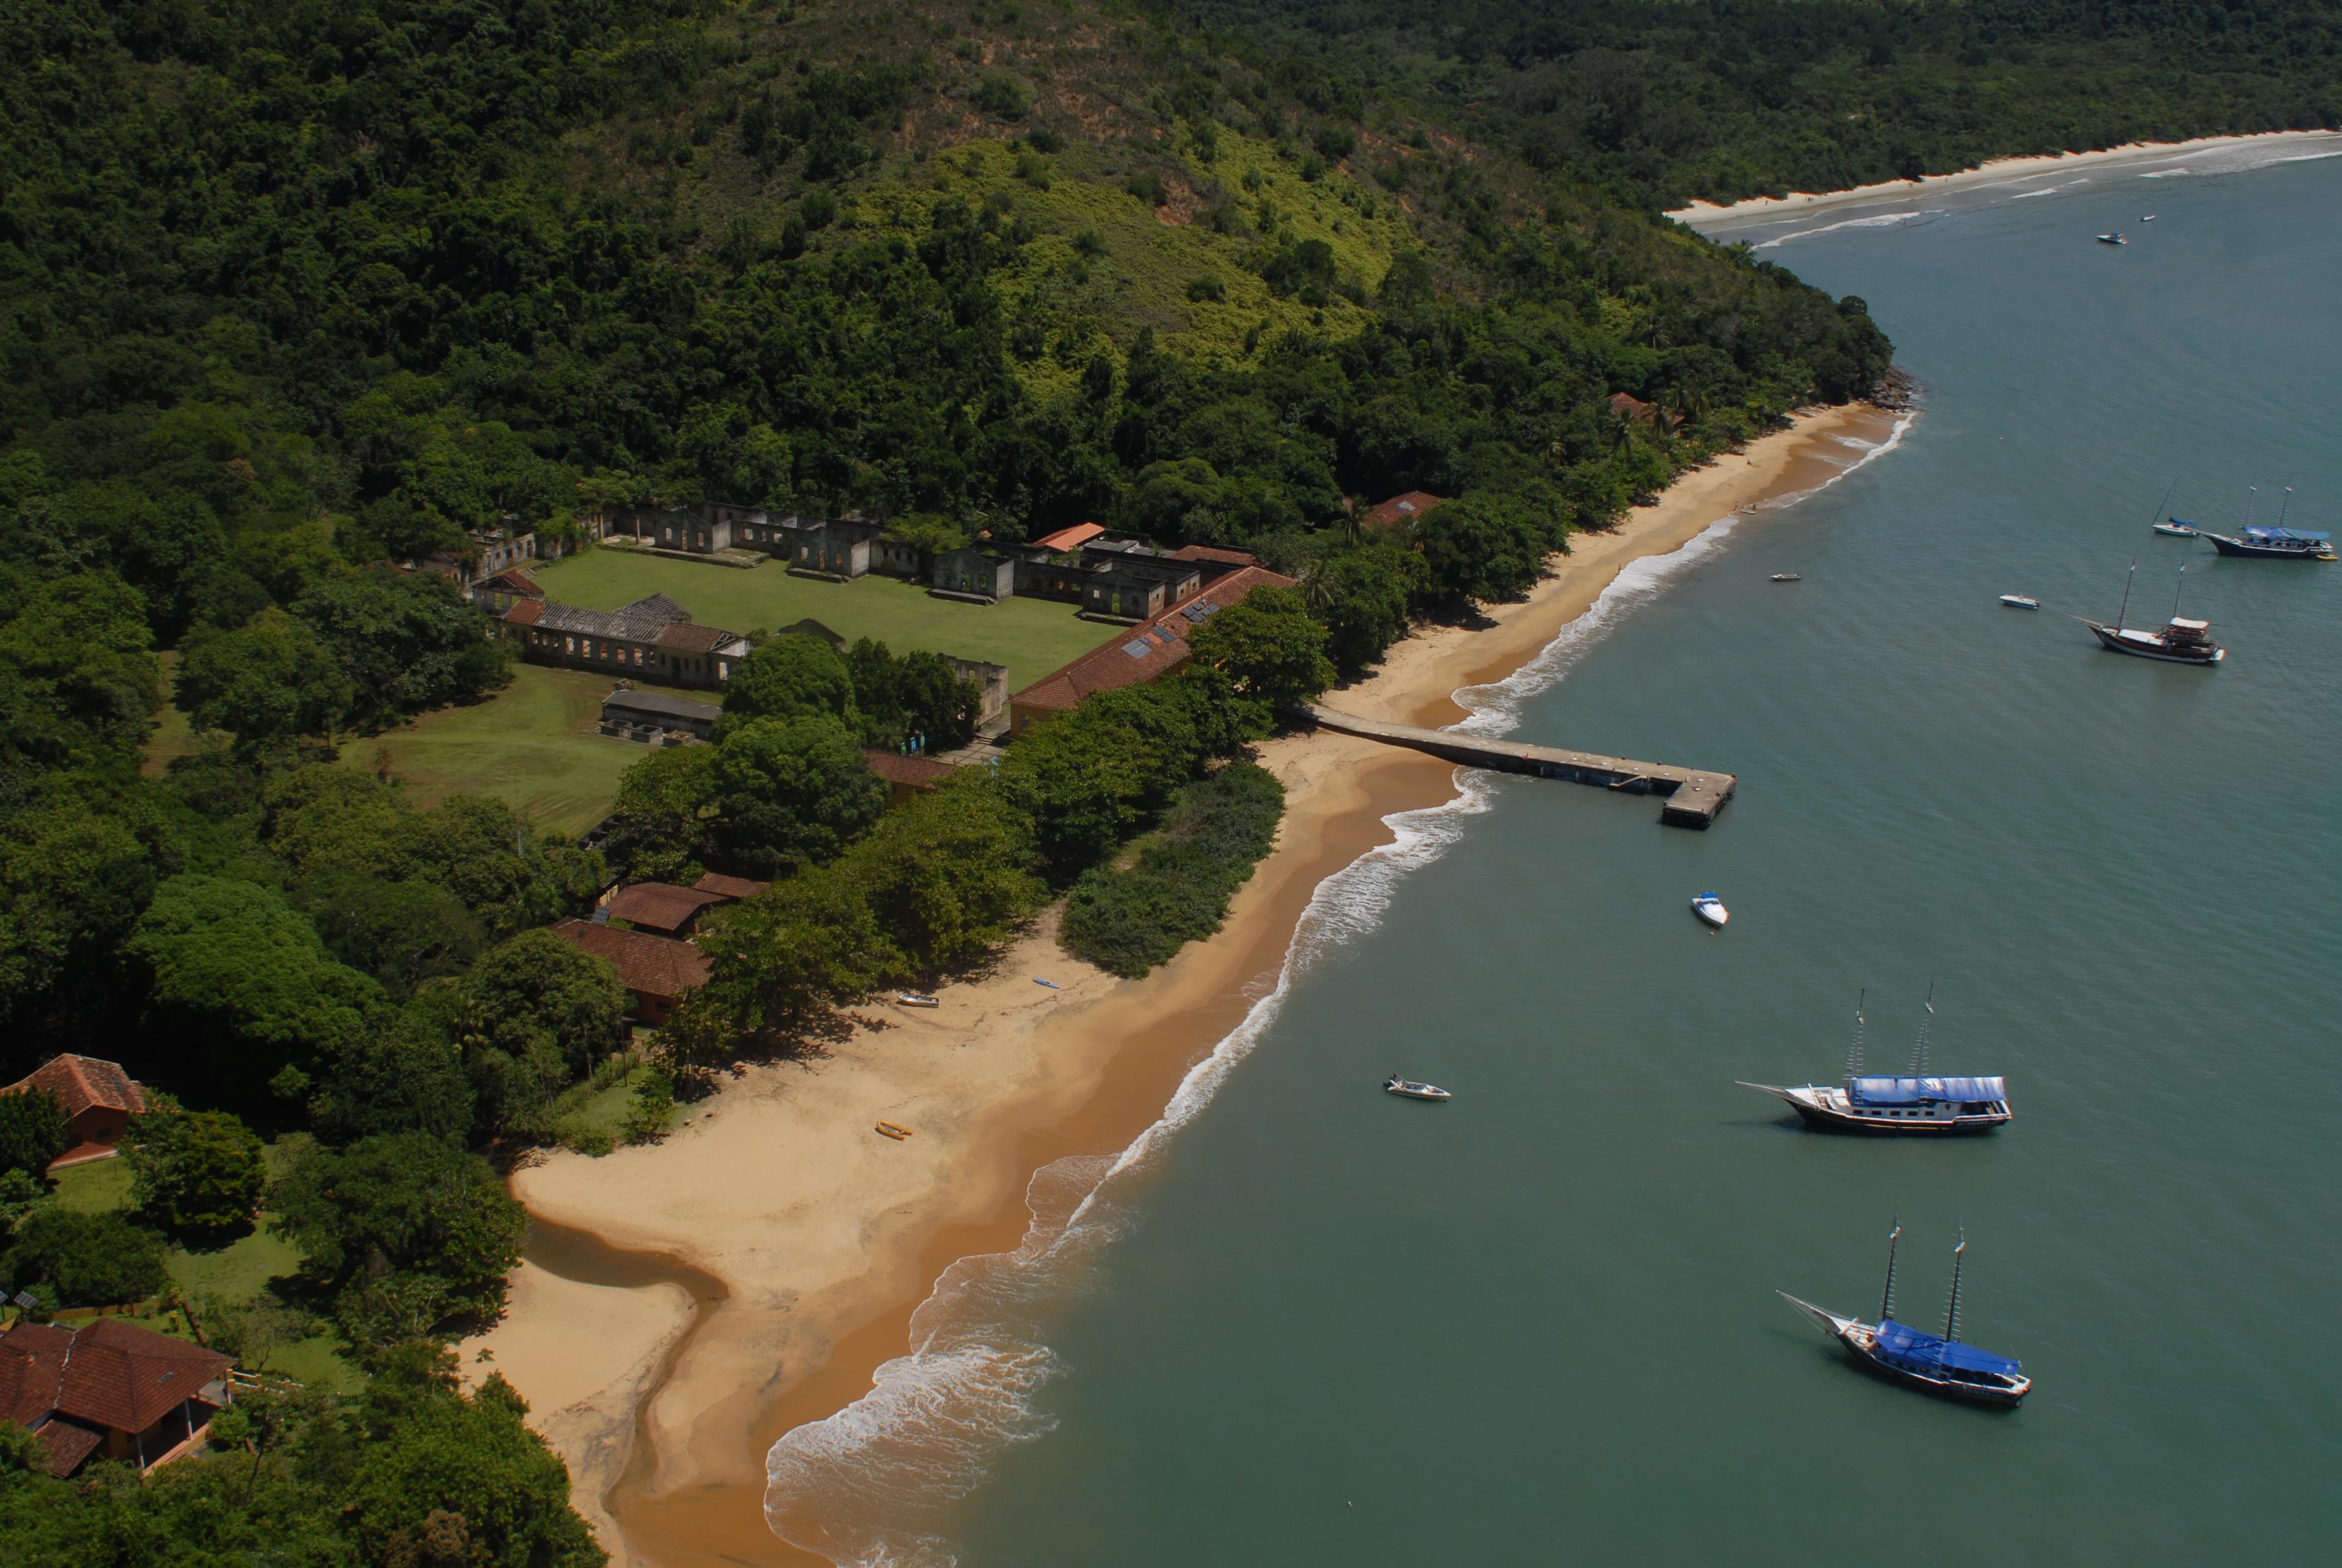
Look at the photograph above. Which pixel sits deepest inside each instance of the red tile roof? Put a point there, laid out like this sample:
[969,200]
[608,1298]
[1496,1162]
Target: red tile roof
[647,965]
[1149,650]
[107,1375]
[1401,510]
[1072,538]
[732,887]
[81,1083]
[1214,553]
[515,580]
[693,638]
[525,611]
[919,773]
[660,906]
[1626,405]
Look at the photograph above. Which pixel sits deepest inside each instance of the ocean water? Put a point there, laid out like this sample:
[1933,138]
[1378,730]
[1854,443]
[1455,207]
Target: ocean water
[1303,1321]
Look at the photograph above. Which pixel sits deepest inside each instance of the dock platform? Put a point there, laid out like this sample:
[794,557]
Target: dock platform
[1693,796]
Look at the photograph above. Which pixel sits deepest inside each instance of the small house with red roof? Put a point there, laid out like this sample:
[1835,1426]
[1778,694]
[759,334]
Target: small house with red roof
[1148,651]
[1400,512]
[656,970]
[98,1098]
[109,1390]
[730,889]
[661,908]
[906,776]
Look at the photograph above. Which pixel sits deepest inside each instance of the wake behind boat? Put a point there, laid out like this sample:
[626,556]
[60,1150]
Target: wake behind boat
[1936,1363]
[1413,1089]
[1917,1101]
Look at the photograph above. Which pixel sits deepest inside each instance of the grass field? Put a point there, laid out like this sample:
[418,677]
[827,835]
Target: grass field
[1031,636]
[533,744]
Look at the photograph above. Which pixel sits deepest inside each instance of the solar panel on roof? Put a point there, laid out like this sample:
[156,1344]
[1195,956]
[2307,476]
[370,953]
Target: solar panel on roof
[1198,610]
[1138,650]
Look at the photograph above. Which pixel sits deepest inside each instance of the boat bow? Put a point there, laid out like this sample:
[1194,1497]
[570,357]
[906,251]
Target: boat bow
[1828,1322]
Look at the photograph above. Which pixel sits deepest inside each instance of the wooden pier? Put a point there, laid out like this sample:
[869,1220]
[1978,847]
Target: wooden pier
[1693,795]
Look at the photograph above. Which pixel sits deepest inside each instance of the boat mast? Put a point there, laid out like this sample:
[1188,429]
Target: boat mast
[2163,512]
[1920,1053]
[1854,1052]
[2175,592]
[2286,508]
[2125,603]
[1886,1296]
[1952,1312]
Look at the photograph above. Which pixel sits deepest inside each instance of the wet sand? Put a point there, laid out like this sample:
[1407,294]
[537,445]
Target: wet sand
[826,1237]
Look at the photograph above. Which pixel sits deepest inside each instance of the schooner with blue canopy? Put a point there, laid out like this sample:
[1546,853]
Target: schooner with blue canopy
[1916,1102]
[1938,1364]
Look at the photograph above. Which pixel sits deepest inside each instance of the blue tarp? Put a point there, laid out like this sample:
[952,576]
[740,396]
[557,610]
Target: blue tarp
[1919,1091]
[2273,534]
[1922,1352]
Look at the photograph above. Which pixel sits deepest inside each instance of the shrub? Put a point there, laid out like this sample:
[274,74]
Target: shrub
[1208,288]
[1147,187]
[194,1170]
[1178,890]
[86,1260]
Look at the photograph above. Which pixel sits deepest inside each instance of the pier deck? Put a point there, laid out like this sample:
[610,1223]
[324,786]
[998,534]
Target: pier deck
[1693,795]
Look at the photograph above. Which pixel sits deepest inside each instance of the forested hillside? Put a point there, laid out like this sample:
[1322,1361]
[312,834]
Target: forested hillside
[1669,100]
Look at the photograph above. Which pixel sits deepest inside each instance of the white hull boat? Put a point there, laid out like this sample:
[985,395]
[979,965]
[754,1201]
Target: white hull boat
[2020,602]
[1411,1089]
[1710,908]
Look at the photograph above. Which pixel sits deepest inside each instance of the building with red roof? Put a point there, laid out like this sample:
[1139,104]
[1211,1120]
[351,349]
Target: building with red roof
[1149,651]
[656,970]
[98,1098]
[906,776]
[661,908]
[1069,539]
[109,1390]
[730,889]
[1400,510]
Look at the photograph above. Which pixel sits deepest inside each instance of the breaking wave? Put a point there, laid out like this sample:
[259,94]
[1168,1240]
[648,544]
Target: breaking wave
[872,1485]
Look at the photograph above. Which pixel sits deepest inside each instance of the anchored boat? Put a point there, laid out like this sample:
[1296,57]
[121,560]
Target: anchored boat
[2273,545]
[2180,642]
[1936,1363]
[2020,601]
[2112,240]
[1919,1102]
[1710,908]
[2177,529]
[1413,1089]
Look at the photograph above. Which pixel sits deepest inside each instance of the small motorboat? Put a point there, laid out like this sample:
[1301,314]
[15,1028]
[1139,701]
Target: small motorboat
[1789,577]
[2176,529]
[889,1130]
[1710,908]
[2148,219]
[1412,1090]
[2020,601]
[2112,240]
[913,999]
[1939,1364]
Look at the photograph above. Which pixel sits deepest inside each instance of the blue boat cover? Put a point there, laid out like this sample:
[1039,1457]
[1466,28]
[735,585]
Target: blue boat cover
[2281,534]
[1919,1091]
[1924,1353]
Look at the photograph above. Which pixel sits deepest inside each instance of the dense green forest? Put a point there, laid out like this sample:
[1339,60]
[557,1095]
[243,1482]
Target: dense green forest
[1664,101]
[294,294]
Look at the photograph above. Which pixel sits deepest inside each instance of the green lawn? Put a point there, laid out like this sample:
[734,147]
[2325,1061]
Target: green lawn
[97,1187]
[1031,636]
[533,743]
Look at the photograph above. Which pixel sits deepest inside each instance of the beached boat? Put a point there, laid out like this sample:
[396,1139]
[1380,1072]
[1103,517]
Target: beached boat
[913,999]
[2176,528]
[1413,1089]
[1939,1364]
[2020,601]
[2181,640]
[1788,577]
[889,1130]
[2112,240]
[2273,545]
[1916,1102]
[1710,908]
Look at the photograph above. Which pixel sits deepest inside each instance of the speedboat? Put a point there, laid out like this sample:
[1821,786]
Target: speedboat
[1415,1090]
[913,999]
[2112,240]
[2176,529]
[1710,908]
[1935,1363]
[2148,219]
[1917,1101]
[2020,601]
[1788,577]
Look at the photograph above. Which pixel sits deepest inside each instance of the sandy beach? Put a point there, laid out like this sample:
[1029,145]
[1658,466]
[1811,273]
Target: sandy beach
[800,1240]
[1705,215]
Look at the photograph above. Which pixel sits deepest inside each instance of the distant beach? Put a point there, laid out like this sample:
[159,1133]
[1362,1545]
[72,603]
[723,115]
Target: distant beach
[1707,217]
[663,1400]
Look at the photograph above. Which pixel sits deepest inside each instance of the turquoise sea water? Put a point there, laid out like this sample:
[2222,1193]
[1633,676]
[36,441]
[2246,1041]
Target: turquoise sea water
[1311,1324]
